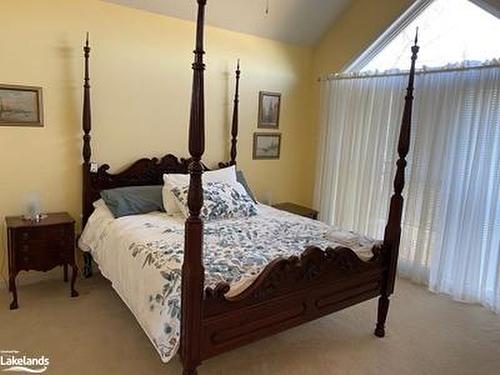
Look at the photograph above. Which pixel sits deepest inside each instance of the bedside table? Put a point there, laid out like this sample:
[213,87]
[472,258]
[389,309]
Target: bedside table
[297,209]
[40,246]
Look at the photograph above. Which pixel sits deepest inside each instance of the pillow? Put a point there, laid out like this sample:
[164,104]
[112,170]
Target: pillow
[243,181]
[99,203]
[220,201]
[101,206]
[179,180]
[133,200]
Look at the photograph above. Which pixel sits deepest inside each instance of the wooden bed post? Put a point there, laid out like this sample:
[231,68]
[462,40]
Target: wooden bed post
[86,153]
[234,124]
[392,234]
[192,269]
[87,127]
[234,127]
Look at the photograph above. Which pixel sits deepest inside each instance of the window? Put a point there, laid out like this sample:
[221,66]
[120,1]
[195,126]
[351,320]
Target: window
[451,31]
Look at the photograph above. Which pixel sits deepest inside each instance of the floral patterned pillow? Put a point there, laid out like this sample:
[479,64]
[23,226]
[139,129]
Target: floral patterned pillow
[221,200]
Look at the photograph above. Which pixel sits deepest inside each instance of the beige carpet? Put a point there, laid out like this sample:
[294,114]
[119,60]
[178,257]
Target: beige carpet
[96,334]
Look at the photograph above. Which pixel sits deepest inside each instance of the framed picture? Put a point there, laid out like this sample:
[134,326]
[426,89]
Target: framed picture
[266,146]
[269,110]
[21,106]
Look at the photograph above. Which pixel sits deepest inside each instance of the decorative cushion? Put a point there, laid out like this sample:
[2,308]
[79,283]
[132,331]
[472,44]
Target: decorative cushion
[243,181]
[133,200]
[220,201]
[179,180]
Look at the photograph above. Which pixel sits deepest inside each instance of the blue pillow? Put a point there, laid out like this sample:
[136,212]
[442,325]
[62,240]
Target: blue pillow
[240,177]
[133,200]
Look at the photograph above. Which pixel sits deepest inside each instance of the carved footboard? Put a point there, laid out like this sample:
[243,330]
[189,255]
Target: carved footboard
[287,293]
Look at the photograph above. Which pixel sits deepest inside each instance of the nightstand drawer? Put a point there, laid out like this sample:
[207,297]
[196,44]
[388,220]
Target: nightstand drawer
[29,262]
[45,240]
[40,233]
[42,248]
[40,261]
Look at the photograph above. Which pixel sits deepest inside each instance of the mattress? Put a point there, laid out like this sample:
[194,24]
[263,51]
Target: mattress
[142,257]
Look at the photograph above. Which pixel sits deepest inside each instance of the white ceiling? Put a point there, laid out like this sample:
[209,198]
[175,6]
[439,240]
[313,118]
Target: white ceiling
[293,21]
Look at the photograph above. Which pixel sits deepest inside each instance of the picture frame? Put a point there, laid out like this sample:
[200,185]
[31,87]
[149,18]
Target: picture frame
[269,110]
[21,106]
[266,146]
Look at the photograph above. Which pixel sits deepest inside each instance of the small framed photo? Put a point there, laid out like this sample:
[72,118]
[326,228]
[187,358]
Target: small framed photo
[269,110]
[266,146]
[21,106]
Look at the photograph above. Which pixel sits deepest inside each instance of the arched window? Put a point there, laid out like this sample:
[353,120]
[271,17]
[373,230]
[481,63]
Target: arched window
[451,32]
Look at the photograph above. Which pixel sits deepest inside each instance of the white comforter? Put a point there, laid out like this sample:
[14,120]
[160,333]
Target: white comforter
[142,257]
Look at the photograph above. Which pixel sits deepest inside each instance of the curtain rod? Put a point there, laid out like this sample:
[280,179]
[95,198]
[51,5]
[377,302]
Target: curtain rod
[341,76]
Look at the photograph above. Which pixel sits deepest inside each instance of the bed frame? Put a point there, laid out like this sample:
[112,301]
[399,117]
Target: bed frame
[289,291]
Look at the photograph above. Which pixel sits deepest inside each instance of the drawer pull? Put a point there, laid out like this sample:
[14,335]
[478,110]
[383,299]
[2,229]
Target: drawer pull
[25,248]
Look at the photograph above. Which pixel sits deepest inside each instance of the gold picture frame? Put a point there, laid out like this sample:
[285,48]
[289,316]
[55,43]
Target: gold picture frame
[21,106]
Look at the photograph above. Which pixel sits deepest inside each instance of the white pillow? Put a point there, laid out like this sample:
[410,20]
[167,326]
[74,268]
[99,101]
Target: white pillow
[227,175]
[101,206]
[99,203]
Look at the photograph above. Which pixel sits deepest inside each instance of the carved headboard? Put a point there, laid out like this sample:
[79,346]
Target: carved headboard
[142,172]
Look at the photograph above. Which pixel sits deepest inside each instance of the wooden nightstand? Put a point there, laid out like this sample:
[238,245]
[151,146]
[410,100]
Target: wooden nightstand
[40,246]
[298,210]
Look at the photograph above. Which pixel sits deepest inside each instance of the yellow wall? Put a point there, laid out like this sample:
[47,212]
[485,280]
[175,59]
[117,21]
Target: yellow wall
[358,27]
[141,82]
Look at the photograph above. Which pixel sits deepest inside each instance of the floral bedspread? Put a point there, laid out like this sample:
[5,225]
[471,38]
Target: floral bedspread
[142,257]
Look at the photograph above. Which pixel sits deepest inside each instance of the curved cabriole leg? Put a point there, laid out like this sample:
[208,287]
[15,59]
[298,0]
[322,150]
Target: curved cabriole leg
[190,372]
[383,308]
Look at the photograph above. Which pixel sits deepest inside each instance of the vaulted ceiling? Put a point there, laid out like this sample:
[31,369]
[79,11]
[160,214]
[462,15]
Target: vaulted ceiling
[293,21]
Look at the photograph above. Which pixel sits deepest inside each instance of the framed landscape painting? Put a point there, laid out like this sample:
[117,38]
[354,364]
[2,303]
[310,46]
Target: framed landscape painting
[269,110]
[21,106]
[266,146]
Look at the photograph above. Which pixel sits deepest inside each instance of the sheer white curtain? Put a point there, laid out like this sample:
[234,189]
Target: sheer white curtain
[451,224]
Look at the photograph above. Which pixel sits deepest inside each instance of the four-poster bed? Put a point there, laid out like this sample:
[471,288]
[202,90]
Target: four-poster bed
[290,290]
